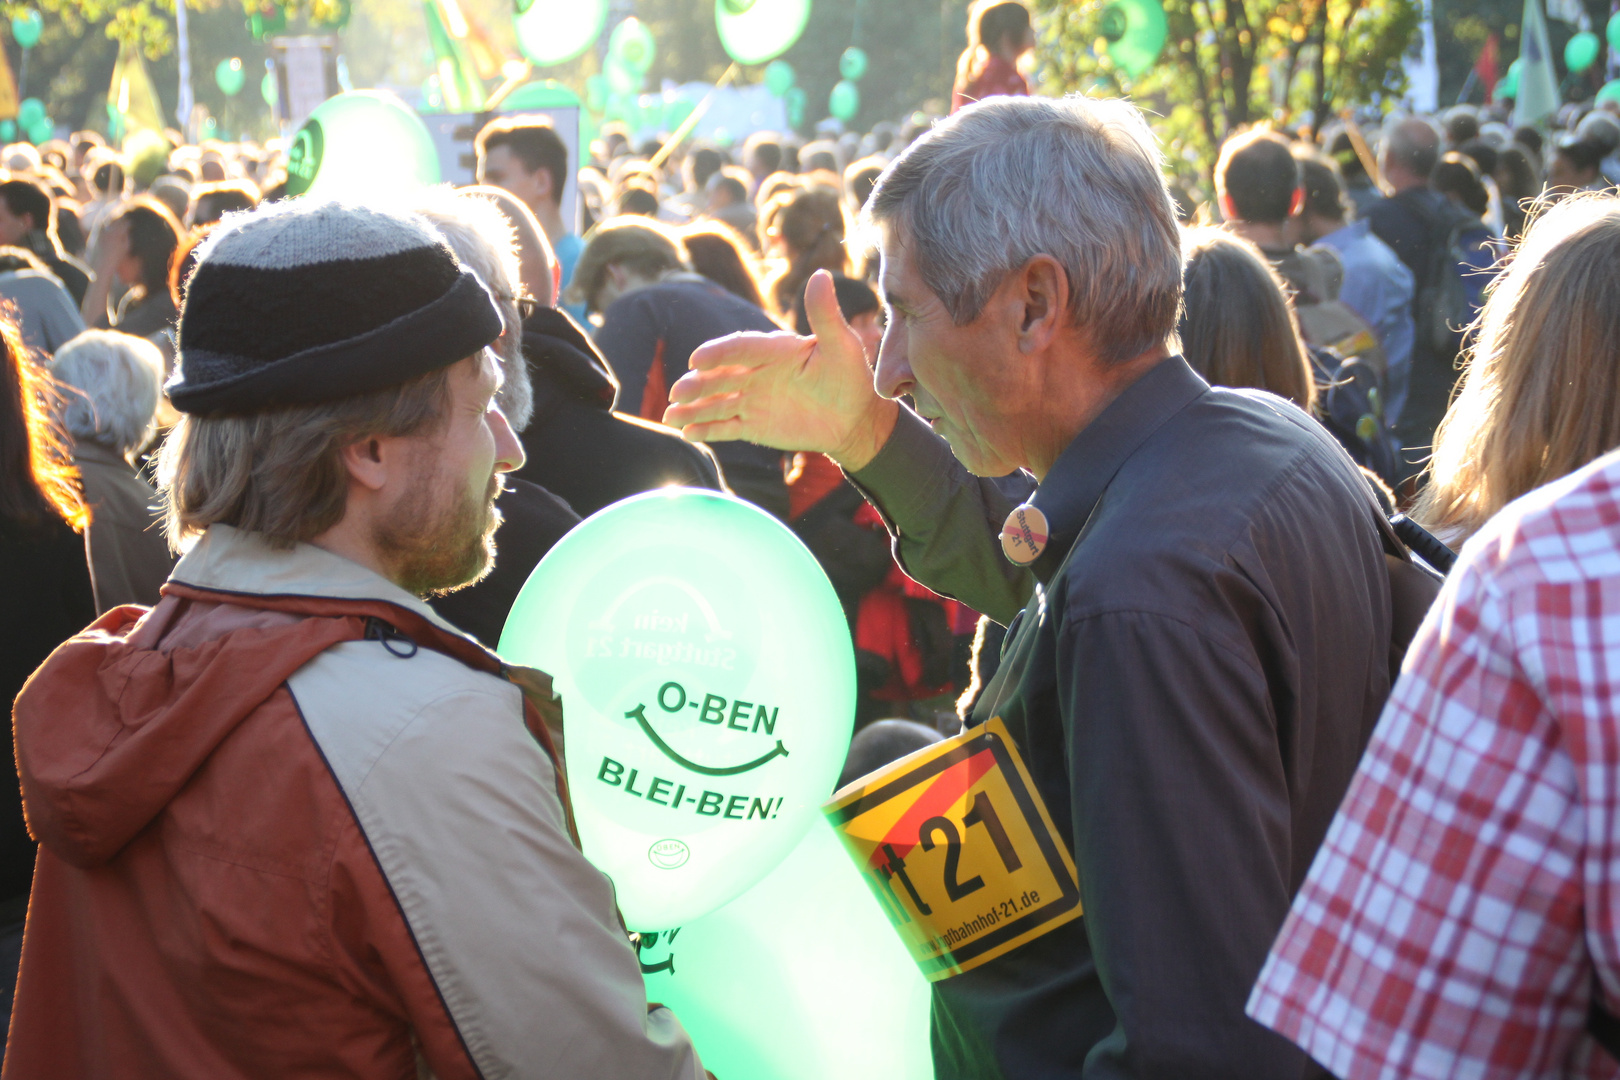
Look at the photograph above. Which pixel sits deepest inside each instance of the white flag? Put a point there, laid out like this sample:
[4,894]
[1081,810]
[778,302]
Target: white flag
[1538,85]
[1570,11]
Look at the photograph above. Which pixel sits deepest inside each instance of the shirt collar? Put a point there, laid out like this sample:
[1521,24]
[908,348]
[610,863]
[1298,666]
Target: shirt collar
[231,560]
[1087,465]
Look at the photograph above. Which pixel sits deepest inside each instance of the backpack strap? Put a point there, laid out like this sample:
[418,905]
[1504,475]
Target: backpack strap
[1601,1024]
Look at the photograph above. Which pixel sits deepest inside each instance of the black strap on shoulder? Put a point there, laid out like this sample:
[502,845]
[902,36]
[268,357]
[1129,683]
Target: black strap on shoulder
[1424,543]
[1602,1024]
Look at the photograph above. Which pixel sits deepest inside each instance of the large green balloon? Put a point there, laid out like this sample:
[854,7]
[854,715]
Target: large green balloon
[631,45]
[708,687]
[230,77]
[845,100]
[1136,31]
[754,31]
[44,131]
[852,65]
[1581,51]
[1613,31]
[779,77]
[269,90]
[1610,91]
[808,943]
[555,31]
[621,81]
[26,28]
[365,143]
[1508,86]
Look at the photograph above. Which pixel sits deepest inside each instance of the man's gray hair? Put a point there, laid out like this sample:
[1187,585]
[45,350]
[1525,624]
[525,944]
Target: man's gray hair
[1079,179]
[111,386]
[483,239]
[1412,142]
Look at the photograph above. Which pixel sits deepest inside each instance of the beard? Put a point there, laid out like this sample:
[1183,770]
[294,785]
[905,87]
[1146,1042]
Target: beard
[441,537]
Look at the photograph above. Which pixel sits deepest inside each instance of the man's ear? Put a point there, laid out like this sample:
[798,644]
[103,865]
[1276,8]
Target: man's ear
[1044,295]
[368,461]
[1297,202]
[542,176]
[1228,208]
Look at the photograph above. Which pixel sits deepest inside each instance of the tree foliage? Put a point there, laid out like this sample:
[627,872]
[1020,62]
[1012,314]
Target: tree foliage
[1228,64]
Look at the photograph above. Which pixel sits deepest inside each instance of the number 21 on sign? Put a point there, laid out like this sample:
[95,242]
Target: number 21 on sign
[959,850]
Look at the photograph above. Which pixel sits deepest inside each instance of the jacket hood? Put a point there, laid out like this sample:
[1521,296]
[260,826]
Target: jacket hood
[562,360]
[120,718]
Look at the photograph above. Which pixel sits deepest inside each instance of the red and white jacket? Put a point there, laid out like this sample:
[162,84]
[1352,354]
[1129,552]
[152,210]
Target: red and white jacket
[294,824]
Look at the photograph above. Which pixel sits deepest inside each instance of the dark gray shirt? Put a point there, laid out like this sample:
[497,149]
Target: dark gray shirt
[1191,687]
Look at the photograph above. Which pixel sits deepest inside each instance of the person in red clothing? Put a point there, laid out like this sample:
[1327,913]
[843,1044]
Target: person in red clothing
[999,34]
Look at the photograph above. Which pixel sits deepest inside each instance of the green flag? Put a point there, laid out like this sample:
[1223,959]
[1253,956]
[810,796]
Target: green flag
[463,90]
[1538,85]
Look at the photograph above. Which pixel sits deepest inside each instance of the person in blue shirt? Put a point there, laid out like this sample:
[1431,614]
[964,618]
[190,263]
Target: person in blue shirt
[527,157]
[1377,285]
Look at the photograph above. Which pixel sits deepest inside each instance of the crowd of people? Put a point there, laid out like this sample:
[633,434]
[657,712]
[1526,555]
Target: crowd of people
[1326,812]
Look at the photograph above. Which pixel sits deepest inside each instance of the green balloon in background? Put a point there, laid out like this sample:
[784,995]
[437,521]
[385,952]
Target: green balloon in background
[1508,86]
[268,89]
[26,28]
[230,77]
[796,101]
[44,131]
[266,21]
[8,130]
[555,31]
[779,77]
[365,143]
[754,31]
[621,81]
[1581,51]
[541,94]
[632,45]
[1610,91]
[845,100]
[30,112]
[1613,31]
[708,683]
[1142,30]
[799,978]
[852,65]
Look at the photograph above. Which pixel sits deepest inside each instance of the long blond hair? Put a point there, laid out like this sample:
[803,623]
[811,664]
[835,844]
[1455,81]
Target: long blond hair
[1541,388]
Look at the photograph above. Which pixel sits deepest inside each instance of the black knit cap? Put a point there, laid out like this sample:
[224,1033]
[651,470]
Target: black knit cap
[301,302]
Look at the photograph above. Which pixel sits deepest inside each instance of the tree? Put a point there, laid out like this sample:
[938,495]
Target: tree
[1230,63]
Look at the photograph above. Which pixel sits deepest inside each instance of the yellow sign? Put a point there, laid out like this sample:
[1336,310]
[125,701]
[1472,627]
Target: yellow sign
[960,851]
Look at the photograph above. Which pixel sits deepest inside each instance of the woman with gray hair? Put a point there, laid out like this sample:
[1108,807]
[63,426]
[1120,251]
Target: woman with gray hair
[111,385]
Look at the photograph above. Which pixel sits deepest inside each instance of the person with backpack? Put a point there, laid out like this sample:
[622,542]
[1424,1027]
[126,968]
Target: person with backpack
[1258,186]
[1445,246]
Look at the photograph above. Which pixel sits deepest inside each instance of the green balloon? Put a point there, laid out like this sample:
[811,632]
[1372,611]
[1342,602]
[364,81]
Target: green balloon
[632,45]
[754,31]
[621,81]
[810,942]
[708,681]
[1610,91]
[1581,51]
[269,90]
[365,143]
[542,94]
[1142,30]
[30,112]
[555,31]
[1508,86]
[230,77]
[596,92]
[1613,31]
[8,130]
[26,28]
[844,101]
[266,21]
[779,77]
[796,101]
[44,131]
[852,65]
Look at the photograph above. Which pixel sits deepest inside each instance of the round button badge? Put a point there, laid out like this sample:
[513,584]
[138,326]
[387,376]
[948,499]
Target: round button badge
[1025,534]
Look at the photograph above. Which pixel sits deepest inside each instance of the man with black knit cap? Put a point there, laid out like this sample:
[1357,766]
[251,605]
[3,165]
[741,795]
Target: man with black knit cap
[291,822]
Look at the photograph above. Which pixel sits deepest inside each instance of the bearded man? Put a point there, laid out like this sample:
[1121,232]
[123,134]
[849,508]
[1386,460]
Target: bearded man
[293,823]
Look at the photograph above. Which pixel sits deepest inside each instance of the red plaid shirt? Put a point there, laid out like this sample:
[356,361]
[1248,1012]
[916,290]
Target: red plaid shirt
[1469,887]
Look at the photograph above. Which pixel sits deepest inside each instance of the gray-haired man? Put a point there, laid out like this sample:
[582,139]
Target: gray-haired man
[1203,644]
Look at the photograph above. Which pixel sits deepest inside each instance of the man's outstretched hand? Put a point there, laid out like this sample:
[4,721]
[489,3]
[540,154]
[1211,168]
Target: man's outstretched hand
[787,392]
